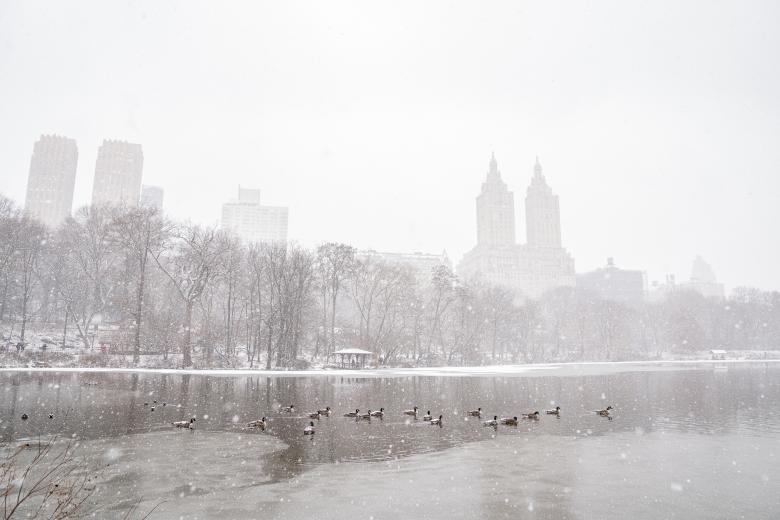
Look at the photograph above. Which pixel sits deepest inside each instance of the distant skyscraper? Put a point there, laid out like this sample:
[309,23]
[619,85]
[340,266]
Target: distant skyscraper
[703,280]
[530,269]
[118,174]
[52,178]
[542,214]
[253,222]
[152,197]
[495,210]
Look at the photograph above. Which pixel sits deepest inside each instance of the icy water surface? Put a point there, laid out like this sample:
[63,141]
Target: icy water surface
[692,442]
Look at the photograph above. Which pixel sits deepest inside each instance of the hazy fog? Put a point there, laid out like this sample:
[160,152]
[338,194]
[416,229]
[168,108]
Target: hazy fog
[657,123]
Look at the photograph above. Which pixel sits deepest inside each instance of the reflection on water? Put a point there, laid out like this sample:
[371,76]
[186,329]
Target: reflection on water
[703,406]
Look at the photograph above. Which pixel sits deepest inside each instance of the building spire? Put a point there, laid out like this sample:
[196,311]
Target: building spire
[493,173]
[537,168]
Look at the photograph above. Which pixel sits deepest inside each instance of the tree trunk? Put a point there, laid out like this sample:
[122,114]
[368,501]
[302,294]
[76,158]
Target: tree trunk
[269,347]
[186,348]
[333,323]
[139,309]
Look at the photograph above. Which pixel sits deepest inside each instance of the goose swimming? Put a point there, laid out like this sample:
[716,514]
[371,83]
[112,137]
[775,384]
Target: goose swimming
[184,424]
[259,424]
[494,422]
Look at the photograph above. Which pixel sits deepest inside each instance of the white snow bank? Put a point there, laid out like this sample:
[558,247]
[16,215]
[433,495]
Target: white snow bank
[541,369]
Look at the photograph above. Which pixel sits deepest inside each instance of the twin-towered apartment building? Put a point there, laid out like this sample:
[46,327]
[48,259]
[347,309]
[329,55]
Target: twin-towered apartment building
[530,269]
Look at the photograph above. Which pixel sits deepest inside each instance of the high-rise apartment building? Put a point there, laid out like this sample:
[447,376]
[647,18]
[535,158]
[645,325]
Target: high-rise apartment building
[118,173]
[542,213]
[253,222]
[495,210]
[530,269]
[51,180]
[152,197]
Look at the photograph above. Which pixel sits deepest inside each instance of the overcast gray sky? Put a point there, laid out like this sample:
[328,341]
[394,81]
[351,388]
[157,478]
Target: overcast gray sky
[657,123]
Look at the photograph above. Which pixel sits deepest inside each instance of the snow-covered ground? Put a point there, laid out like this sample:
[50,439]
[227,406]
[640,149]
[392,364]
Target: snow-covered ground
[541,369]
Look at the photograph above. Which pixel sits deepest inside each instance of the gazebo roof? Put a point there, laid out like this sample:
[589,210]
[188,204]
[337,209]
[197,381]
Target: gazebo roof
[347,351]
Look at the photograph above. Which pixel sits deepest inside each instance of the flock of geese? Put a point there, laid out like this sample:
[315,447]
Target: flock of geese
[261,424]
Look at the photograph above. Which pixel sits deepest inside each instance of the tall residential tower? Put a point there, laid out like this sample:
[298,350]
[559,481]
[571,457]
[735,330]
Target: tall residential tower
[542,214]
[52,178]
[118,174]
[495,210]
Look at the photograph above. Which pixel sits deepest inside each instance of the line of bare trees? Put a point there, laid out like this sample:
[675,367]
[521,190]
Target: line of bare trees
[199,296]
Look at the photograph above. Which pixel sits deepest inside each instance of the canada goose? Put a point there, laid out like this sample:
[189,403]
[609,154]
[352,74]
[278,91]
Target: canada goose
[146,404]
[557,411]
[326,411]
[531,415]
[155,401]
[509,421]
[51,416]
[437,422]
[365,415]
[287,409]
[184,424]
[475,413]
[378,413]
[309,430]
[411,412]
[428,416]
[494,422]
[604,412]
[25,416]
[352,414]
[314,415]
[163,404]
[259,424]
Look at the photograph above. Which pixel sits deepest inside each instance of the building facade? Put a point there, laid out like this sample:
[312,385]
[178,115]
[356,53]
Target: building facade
[613,283]
[703,280]
[253,222]
[529,269]
[152,197]
[118,173]
[52,177]
[422,264]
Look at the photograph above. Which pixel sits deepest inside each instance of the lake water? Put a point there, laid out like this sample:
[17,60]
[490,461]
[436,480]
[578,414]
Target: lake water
[685,441]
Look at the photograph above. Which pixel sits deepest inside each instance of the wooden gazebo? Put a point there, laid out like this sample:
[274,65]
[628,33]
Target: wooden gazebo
[352,357]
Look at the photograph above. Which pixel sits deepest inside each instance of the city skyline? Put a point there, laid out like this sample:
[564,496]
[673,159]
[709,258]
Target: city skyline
[504,234]
[363,123]
[496,223]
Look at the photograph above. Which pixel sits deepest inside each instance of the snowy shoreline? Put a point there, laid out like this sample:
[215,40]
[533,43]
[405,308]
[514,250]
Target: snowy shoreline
[579,368]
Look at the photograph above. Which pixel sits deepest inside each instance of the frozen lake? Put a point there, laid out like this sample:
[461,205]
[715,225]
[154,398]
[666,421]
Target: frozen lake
[685,441]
